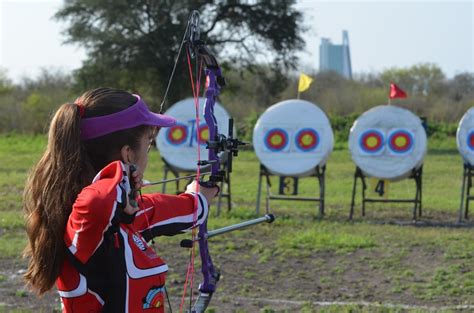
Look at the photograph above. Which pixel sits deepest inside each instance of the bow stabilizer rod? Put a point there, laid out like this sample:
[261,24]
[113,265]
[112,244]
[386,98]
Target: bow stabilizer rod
[268,218]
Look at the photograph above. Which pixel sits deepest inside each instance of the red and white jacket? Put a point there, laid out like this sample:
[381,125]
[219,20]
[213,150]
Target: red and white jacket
[109,265]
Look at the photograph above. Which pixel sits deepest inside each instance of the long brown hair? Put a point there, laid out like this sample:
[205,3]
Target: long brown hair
[66,167]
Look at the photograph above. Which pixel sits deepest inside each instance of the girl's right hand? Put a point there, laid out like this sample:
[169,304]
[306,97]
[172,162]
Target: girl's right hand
[209,193]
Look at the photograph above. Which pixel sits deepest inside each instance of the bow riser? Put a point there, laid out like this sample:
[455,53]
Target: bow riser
[212,92]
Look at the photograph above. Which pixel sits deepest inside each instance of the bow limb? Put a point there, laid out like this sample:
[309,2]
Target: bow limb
[216,145]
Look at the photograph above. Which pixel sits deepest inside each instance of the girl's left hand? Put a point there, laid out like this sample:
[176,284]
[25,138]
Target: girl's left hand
[137,178]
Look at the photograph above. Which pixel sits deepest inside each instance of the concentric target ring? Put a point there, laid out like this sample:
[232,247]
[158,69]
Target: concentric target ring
[371,141]
[470,140]
[276,139]
[307,139]
[203,134]
[177,134]
[400,141]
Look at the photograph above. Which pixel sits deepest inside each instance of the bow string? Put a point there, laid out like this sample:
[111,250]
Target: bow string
[218,146]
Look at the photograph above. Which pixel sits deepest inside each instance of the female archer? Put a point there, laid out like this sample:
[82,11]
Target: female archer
[87,228]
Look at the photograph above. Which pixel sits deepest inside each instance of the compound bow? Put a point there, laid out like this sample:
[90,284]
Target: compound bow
[217,145]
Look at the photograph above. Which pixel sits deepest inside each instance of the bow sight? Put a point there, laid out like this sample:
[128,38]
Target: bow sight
[229,146]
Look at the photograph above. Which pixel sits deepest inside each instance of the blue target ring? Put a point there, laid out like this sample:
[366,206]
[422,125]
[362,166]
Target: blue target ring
[276,139]
[371,141]
[470,140]
[307,139]
[400,141]
[177,134]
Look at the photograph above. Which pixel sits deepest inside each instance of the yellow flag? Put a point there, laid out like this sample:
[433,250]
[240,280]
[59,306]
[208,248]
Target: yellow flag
[305,82]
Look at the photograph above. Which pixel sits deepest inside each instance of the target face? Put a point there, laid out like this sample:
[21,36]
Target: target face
[400,141]
[177,135]
[203,134]
[276,139]
[307,139]
[371,142]
[292,138]
[387,142]
[470,140]
[465,137]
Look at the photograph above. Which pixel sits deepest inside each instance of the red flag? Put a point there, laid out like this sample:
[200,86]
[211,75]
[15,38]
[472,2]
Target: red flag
[396,92]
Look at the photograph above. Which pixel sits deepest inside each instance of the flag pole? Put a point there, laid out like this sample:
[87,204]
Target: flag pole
[298,95]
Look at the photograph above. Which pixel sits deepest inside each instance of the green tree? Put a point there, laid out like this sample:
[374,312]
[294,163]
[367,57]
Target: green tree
[133,44]
[6,85]
[424,78]
[8,111]
[462,86]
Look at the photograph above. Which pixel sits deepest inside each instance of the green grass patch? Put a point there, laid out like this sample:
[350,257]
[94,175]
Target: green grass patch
[12,244]
[11,219]
[318,239]
[391,253]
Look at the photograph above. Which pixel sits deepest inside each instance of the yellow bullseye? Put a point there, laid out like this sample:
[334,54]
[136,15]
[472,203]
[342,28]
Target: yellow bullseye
[205,134]
[372,142]
[307,140]
[177,134]
[276,140]
[401,141]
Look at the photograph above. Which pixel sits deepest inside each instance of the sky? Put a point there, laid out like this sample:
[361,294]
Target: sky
[382,34]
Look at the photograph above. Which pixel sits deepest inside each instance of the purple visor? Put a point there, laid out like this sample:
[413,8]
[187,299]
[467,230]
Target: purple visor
[136,115]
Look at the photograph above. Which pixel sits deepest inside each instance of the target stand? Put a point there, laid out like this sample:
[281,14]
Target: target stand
[468,173]
[465,143]
[416,175]
[168,168]
[319,173]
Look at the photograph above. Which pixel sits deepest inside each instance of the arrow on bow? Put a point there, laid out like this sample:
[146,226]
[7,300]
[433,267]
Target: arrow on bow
[218,144]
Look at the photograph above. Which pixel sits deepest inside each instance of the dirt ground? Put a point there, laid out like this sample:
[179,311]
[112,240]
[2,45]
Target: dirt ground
[288,283]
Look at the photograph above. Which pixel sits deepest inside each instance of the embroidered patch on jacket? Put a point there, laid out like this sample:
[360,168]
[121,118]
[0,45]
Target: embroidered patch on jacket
[139,242]
[154,298]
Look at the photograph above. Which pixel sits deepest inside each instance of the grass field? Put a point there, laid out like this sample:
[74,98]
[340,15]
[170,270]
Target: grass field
[379,263]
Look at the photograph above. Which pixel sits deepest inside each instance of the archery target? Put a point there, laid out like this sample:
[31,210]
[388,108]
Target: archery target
[387,142]
[400,141]
[276,139]
[203,133]
[292,137]
[178,144]
[371,142]
[465,137]
[470,140]
[307,139]
[177,135]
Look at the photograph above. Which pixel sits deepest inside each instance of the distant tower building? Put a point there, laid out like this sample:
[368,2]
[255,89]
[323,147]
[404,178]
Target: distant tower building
[336,58]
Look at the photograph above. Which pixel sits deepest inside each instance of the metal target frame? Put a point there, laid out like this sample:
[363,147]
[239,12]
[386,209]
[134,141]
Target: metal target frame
[416,175]
[292,140]
[319,173]
[468,174]
[392,132]
[465,143]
